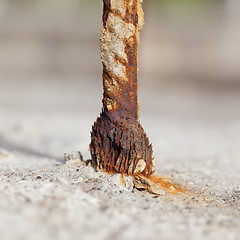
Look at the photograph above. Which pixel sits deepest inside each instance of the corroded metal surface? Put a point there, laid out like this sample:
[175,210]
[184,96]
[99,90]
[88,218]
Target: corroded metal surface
[118,141]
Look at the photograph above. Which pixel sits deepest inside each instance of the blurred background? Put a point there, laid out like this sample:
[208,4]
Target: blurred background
[195,39]
[189,80]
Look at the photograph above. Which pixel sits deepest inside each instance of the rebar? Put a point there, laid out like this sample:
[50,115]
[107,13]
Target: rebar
[118,141]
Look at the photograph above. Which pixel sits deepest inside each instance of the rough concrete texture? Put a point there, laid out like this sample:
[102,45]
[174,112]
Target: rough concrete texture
[196,134]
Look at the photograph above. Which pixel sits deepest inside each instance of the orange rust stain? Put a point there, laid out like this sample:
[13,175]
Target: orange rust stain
[122,179]
[155,184]
[173,188]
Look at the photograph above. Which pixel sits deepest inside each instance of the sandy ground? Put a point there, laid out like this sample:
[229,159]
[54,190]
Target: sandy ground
[195,131]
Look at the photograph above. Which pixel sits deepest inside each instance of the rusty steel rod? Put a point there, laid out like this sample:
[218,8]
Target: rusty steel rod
[118,141]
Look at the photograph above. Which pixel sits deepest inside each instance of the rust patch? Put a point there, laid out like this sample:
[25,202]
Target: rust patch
[131,15]
[106,10]
[121,60]
[111,29]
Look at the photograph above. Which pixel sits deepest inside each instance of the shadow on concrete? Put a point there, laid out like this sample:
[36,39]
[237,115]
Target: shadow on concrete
[11,147]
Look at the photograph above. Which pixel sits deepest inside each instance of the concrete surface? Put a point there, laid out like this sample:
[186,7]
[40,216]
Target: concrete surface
[195,131]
